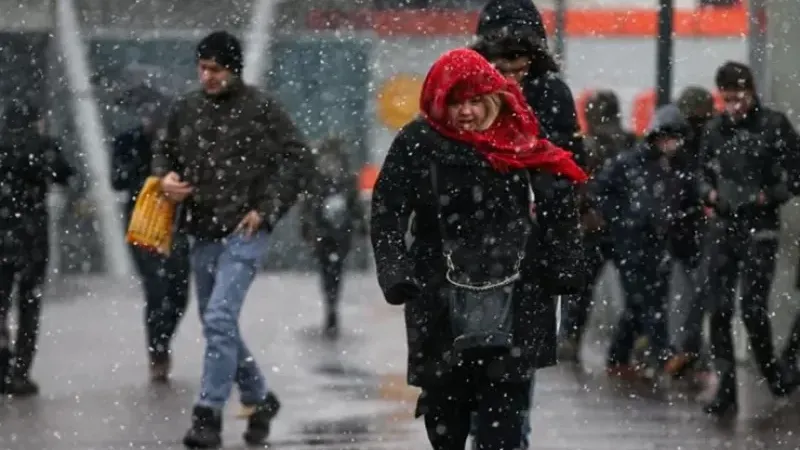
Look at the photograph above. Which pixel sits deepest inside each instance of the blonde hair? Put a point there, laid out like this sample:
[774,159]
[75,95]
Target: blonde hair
[493,104]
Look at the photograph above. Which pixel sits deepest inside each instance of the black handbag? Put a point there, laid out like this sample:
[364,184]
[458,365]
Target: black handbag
[480,306]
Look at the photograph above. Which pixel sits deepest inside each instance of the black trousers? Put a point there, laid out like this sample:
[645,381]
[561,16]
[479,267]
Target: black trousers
[645,283]
[331,254]
[578,307]
[29,279]
[500,411]
[739,256]
[166,290]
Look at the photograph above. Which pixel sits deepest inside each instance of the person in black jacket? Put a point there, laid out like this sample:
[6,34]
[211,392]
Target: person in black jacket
[495,237]
[29,164]
[165,279]
[331,213]
[639,195]
[746,151]
[511,33]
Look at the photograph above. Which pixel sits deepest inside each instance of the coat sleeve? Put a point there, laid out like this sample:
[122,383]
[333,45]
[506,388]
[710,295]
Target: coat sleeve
[606,188]
[786,164]
[121,163]
[290,155]
[390,214]
[165,151]
[561,239]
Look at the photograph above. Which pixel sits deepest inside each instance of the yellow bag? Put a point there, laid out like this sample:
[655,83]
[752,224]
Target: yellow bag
[152,219]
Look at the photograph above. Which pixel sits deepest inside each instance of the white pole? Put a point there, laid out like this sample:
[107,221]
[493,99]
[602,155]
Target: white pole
[257,41]
[92,138]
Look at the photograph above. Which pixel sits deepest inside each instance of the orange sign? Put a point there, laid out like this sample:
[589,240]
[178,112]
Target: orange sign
[398,100]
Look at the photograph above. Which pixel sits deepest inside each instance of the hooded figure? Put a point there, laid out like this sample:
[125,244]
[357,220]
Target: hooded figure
[639,195]
[29,164]
[331,213]
[494,217]
[513,31]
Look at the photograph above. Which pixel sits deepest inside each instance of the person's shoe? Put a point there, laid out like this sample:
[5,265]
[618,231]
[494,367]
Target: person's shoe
[260,421]
[160,366]
[625,372]
[678,364]
[723,405]
[22,387]
[331,327]
[206,429]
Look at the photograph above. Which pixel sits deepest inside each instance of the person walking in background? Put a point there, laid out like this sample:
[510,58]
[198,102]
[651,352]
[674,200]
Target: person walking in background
[495,224]
[331,213]
[747,151]
[236,163]
[511,35]
[638,195]
[30,162]
[165,279]
[605,138]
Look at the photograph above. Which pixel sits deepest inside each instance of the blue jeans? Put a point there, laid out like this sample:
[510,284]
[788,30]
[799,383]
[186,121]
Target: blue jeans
[224,271]
[526,425]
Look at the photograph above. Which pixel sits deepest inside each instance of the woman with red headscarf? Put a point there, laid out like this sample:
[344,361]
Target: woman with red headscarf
[491,208]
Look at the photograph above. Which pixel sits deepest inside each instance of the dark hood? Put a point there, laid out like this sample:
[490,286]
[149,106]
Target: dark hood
[668,119]
[511,17]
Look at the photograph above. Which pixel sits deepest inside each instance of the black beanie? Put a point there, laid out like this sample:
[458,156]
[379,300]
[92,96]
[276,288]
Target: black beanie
[224,49]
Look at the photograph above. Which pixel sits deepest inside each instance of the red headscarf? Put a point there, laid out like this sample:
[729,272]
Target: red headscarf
[513,140]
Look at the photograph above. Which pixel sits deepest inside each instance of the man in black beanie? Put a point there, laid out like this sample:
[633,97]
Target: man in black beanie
[236,163]
[746,153]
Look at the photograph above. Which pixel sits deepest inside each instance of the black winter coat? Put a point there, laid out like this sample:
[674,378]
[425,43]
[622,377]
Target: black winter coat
[29,165]
[240,152]
[477,195]
[131,163]
[740,159]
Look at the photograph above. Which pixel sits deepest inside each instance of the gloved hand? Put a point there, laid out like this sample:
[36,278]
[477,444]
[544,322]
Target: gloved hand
[401,293]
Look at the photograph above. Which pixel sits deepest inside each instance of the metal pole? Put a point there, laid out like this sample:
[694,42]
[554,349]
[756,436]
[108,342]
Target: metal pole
[561,25]
[664,53]
[757,44]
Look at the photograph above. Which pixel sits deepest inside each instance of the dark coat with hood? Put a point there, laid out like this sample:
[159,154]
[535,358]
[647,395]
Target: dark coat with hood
[404,200]
[742,159]
[240,151]
[640,193]
[29,164]
[545,90]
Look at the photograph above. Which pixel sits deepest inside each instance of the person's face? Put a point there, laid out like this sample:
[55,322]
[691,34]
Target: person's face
[738,102]
[467,115]
[214,78]
[513,69]
[669,145]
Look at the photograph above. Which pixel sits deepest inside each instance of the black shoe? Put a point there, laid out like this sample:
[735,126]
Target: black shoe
[722,407]
[160,366]
[206,429]
[259,422]
[22,387]
[331,328]
[784,383]
[725,403]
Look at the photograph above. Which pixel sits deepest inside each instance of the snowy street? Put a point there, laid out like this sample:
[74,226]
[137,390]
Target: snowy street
[336,396]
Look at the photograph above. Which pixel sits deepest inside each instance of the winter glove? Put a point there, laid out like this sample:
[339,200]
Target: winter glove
[403,292]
